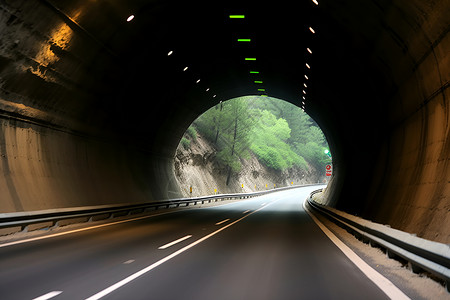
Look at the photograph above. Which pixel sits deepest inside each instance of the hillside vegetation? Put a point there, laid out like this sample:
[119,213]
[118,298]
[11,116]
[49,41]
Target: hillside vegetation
[280,135]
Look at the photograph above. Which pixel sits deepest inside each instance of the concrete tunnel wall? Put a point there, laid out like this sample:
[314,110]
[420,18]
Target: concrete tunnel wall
[406,167]
[55,146]
[70,136]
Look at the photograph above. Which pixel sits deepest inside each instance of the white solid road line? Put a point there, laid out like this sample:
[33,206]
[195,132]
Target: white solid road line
[382,282]
[48,295]
[138,274]
[221,222]
[91,227]
[246,212]
[175,242]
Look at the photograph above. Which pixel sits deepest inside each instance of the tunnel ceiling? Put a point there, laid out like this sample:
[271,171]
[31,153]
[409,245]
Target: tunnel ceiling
[132,81]
[117,75]
[204,38]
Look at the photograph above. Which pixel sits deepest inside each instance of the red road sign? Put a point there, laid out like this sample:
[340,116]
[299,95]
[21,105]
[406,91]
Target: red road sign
[328,170]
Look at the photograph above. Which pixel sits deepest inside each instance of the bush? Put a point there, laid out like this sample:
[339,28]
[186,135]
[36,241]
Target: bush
[269,143]
[185,143]
[192,133]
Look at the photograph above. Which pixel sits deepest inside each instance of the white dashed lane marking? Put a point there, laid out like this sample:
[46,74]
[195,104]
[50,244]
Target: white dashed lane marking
[174,242]
[221,222]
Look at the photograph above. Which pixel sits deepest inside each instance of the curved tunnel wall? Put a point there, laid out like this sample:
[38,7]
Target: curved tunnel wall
[401,152]
[77,130]
[45,168]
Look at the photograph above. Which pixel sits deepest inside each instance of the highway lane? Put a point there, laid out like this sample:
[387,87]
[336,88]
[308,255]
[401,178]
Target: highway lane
[262,248]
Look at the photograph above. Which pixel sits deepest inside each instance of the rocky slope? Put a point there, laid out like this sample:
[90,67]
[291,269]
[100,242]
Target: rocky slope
[196,167]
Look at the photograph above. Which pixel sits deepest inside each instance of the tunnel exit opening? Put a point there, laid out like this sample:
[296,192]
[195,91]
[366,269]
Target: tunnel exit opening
[248,144]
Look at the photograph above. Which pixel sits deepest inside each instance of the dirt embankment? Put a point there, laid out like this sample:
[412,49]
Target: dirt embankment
[197,167]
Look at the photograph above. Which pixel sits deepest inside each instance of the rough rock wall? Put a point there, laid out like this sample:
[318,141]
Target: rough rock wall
[197,167]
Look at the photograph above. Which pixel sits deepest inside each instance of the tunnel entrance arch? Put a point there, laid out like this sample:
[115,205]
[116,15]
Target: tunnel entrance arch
[251,143]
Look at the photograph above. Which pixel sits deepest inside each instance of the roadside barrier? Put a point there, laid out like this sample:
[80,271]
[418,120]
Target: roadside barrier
[34,220]
[420,254]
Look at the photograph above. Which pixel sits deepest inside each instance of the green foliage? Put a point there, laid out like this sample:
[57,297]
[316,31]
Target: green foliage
[227,126]
[314,154]
[269,143]
[185,143]
[214,121]
[306,138]
[192,133]
[281,135]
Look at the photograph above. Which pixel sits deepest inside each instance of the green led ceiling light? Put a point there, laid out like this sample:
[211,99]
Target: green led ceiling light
[258,81]
[254,72]
[250,58]
[237,16]
[244,40]
[261,90]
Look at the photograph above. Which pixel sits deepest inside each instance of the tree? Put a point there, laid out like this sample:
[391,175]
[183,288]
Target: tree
[269,137]
[212,122]
[235,140]
[280,134]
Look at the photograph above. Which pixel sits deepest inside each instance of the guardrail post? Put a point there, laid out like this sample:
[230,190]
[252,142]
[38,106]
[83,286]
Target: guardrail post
[414,268]
[390,254]
[24,228]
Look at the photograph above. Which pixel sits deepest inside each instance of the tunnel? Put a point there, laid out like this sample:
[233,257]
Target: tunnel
[96,95]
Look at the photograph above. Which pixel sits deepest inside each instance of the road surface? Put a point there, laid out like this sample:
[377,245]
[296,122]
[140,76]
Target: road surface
[266,247]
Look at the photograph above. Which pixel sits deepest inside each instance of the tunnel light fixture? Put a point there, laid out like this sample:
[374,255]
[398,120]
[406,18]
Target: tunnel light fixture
[304,92]
[237,16]
[197,81]
[214,96]
[305,85]
[250,58]
[308,66]
[185,69]
[244,40]
[306,77]
[170,53]
[254,72]
[130,18]
[309,50]
[315,2]
[258,81]
[207,89]
[312,30]
[261,90]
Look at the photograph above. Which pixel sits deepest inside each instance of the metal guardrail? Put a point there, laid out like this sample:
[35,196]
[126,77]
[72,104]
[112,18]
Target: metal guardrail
[27,221]
[420,254]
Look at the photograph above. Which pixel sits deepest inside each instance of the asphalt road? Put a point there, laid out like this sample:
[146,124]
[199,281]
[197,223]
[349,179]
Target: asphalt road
[262,248]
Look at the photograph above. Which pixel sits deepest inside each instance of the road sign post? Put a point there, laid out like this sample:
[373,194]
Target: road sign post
[328,170]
